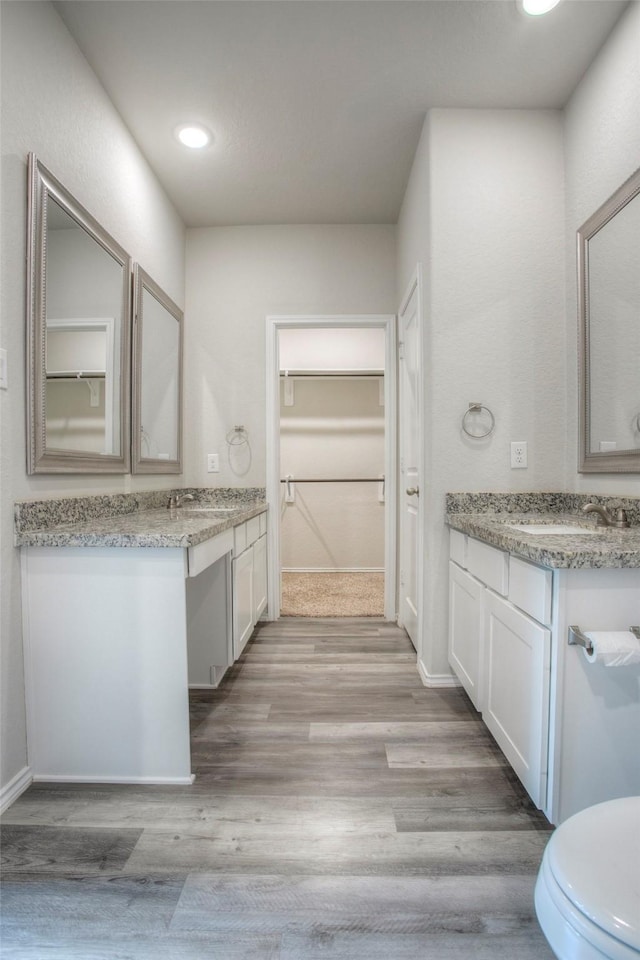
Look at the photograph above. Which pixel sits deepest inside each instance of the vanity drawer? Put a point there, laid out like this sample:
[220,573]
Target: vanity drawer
[253,530]
[458,547]
[239,539]
[530,589]
[489,565]
[204,554]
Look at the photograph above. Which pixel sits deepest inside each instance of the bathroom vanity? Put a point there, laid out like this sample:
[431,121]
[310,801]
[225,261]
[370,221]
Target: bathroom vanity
[518,579]
[122,613]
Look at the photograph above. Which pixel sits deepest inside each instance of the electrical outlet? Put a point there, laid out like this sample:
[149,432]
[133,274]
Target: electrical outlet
[213,463]
[518,454]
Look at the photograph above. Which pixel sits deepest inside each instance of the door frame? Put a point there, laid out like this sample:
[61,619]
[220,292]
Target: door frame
[276,323]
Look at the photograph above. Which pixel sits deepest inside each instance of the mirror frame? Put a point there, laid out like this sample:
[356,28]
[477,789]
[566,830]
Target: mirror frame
[42,185]
[139,463]
[615,461]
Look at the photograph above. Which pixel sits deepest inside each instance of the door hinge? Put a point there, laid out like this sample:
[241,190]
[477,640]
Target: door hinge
[400,349]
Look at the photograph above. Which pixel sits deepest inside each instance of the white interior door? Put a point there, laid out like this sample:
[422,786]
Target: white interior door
[409,334]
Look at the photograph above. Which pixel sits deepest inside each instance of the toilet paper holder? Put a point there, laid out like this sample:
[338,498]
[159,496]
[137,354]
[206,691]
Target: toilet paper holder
[577,638]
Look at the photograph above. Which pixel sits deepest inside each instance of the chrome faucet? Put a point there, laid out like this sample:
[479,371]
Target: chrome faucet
[177,499]
[607,518]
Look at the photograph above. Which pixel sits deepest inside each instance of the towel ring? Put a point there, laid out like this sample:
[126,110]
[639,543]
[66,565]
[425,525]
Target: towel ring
[238,436]
[477,408]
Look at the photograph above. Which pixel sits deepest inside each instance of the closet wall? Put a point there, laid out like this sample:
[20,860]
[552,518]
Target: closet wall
[332,428]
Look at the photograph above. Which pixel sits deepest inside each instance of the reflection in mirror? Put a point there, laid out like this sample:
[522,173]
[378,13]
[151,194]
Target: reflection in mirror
[157,378]
[609,316]
[78,325]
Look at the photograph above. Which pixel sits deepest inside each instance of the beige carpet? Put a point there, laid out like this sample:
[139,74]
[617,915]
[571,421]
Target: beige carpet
[332,595]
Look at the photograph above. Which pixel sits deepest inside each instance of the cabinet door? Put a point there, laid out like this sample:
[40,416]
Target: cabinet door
[259,577]
[242,600]
[465,631]
[516,694]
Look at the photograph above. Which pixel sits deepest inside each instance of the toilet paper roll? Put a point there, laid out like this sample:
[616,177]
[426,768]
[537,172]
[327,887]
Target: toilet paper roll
[615,648]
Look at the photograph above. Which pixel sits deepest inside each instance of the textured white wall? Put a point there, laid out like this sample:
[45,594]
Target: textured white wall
[489,183]
[53,105]
[602,149]
[236,277]
[335,429]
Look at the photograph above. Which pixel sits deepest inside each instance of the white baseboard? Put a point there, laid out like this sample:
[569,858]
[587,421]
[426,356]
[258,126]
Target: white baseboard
[12,790]
[333,570]
[437,679]
[161,781]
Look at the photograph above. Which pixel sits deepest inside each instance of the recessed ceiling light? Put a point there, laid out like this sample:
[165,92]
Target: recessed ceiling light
[193,135]
[535,8]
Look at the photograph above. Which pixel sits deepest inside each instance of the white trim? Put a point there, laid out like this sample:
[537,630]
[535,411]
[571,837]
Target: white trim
[416,283]
[437,679]
[274,325]
[27,656]
[52,778]
[332,569]
[12,790]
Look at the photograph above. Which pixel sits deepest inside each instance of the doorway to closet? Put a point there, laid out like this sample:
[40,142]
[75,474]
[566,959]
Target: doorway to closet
[331,466]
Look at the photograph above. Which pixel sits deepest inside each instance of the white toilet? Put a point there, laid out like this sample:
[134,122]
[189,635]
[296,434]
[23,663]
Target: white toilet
[588,889]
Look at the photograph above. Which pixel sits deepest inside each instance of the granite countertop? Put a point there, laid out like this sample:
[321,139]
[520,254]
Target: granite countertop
[131,522]
[491,520]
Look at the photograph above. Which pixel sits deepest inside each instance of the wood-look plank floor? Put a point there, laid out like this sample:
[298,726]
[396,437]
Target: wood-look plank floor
[341,810]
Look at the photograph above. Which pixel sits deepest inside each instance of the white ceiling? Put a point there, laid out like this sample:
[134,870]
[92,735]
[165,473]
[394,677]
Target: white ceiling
[317,105]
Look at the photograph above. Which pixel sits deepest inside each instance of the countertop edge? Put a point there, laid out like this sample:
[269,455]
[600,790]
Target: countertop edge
[609,552]
[208,529]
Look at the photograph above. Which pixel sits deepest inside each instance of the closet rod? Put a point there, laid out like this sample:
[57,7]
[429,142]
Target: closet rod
[334,480]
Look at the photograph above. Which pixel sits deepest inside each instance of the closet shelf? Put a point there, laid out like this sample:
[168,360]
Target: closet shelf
[333,480]
[301,374]
[76,375]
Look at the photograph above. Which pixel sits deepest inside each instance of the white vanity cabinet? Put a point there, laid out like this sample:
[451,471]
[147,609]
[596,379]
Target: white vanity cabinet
[114,636]
[105,636]
[569,728]
[249,578]
[501,656]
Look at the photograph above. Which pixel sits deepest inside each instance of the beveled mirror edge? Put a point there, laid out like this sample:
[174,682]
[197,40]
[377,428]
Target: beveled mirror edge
[139,464]
[619,461]
[41,185]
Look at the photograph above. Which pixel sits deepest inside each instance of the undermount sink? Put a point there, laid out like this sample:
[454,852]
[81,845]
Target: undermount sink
[553,529]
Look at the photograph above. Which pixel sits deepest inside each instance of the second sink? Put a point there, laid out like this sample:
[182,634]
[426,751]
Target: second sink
[553,529]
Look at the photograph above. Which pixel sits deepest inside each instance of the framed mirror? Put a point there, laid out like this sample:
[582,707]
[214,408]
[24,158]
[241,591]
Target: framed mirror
[157,378]
[78,336]
[609,334]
